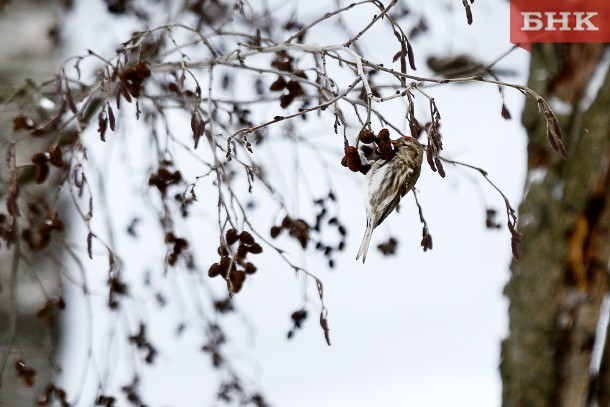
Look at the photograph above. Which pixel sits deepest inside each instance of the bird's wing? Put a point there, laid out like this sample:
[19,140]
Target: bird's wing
[401,191]
[388,209]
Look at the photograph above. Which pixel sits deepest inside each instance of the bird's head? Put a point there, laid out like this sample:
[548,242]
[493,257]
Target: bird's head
[404,141]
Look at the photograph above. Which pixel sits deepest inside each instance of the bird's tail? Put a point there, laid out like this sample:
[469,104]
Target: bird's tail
[364,247]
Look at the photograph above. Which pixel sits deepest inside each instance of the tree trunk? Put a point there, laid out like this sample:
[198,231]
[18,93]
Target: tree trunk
[26,51]
[557,288]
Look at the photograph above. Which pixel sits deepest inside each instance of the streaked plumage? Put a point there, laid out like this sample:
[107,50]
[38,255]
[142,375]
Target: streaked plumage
[387,182]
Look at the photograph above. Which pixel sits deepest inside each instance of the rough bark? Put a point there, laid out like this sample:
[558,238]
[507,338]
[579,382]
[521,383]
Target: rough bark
[556,289]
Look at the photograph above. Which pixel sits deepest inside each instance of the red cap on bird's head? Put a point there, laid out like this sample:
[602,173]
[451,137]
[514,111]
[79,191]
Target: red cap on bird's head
[404,140]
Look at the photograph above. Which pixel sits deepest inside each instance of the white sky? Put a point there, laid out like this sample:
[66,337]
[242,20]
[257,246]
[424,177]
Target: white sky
[419,329]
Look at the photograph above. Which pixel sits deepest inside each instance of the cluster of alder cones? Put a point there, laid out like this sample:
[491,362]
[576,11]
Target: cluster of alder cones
[234,268]
[375,146]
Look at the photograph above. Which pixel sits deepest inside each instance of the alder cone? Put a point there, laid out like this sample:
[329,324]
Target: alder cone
[384,134]
[367,136]
[352,158]
[385,150]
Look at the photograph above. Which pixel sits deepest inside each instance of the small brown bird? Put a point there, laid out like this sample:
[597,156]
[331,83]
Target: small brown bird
[387,182]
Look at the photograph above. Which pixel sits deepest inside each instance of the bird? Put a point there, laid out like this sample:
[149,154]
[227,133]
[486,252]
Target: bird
[387,182]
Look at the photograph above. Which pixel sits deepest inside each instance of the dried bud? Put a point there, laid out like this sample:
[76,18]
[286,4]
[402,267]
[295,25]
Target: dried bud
[505,112]
[426,241]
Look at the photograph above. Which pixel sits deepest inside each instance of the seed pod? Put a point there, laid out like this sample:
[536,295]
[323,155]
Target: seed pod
[242,251]
[286,100]
[367,136]
[236,281]
[42,172]
[275,231]
[142,70]
[225,262]
[40,158]
[367,150]
[295,88]
[231,236]
[214,270]
[56,156]
[57,224]
[250,268]
[21,122]
[246,237]
[385,150]
[255,248]
[278,85]
[180,244]
[353,158]
[384,134]
[286,222]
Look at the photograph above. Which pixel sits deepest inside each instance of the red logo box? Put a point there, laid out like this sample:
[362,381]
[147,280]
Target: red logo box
[533,21]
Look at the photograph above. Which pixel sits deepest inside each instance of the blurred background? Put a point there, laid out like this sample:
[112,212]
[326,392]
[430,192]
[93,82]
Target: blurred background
[407,327]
